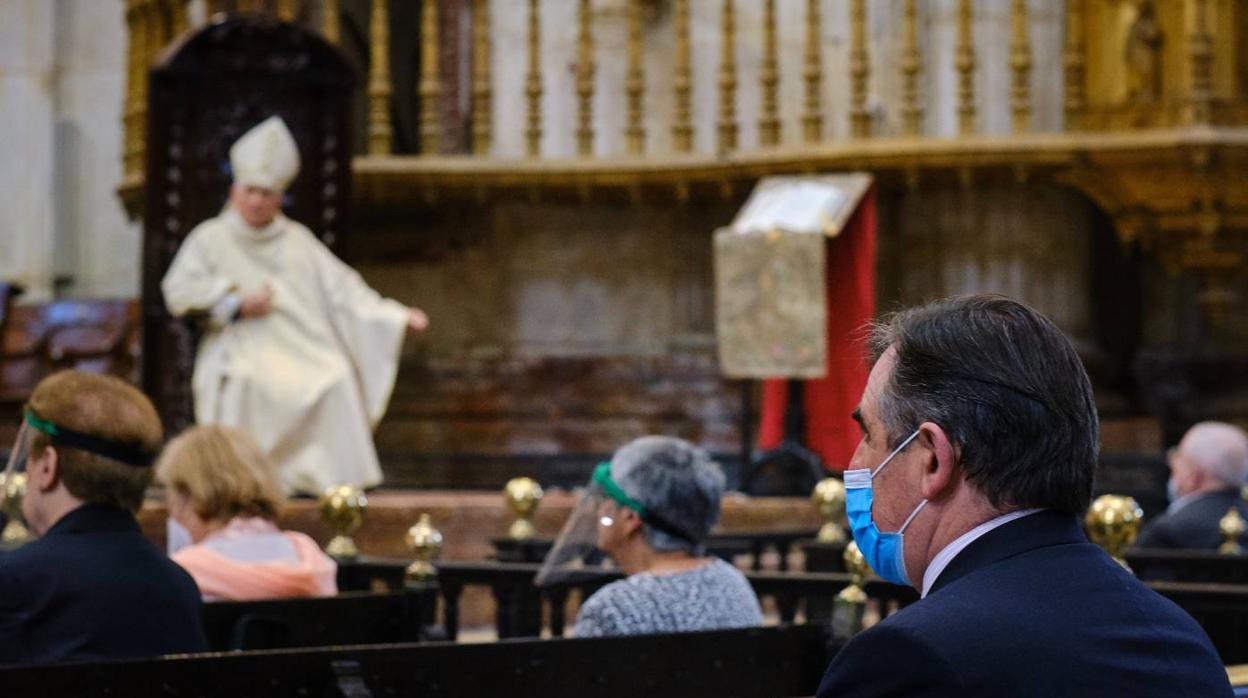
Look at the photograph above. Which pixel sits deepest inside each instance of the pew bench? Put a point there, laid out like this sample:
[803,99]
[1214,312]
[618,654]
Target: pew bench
[763,662]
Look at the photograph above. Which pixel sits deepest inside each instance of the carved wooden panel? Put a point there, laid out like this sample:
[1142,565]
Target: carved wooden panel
[207,92]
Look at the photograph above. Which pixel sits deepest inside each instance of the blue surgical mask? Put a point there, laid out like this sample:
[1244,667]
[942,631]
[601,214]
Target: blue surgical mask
[884,552]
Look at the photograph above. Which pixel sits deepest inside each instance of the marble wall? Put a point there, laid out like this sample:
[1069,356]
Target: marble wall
[62,84]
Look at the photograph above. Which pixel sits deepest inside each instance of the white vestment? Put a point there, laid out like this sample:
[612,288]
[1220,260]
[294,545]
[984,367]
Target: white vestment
[309,380]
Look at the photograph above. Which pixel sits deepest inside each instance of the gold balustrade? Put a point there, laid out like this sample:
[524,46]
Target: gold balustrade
[1125,133]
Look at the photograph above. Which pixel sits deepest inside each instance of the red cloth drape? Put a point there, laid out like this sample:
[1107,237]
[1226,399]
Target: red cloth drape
[830,431]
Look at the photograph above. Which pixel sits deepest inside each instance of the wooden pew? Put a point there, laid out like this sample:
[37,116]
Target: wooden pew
[512,584]
[763,662]
[1221,609]
[99,336]
[1207,566]
[353,618]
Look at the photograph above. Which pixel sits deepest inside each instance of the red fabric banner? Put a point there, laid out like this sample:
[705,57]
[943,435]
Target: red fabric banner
[830,431]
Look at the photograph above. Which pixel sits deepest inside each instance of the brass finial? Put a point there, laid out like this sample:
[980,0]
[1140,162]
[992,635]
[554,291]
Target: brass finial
[522,495]
[12,488]
[828,498]
[342,506]
[1232,526]
[851,602]
[1113,522]
[856,564]
[425,542]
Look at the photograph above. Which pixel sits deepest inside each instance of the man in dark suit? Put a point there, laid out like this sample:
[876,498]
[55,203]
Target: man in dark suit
[91,586]
[1207,469]
[984,416]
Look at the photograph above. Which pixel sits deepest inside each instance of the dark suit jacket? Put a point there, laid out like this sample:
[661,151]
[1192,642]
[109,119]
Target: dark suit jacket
[1032,609]
[1195,525]
[92,587]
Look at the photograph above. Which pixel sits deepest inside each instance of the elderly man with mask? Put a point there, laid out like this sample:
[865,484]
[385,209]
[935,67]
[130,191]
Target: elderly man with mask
[979,444]
[1207,469]
[300,352]
[91,586]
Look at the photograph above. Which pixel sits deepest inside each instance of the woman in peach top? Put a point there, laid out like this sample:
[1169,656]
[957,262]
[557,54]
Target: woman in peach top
[224,493]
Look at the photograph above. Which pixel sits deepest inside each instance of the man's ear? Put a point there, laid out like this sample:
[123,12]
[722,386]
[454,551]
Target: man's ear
[940,468]
[44,472]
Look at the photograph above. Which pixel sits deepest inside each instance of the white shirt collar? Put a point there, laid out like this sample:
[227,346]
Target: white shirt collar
[947,553]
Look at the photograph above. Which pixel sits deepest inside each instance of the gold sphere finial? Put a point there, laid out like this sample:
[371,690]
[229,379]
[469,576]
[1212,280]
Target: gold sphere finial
[522,495]
[343,506]
[828,499]
[1113,522]
[425,542]
[1232,526]
[12,489]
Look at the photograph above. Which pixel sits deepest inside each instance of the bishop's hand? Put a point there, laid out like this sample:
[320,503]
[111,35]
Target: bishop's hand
[417,321]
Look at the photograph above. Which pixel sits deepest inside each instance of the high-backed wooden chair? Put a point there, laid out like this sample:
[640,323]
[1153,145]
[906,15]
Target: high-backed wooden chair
[207,91]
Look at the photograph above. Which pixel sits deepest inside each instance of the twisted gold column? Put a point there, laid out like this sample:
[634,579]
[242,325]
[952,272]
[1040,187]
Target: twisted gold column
[1200,58]
[482,108]
[585,79]
[965,64]
[131,159]
[911,112]
[430,87]
[682,83]
[331,27]
[635,83]
[533,81]
[1074,63]
[1020,68]
[380,131]
[769,80]
[859,69]
[728,80]
[812,73]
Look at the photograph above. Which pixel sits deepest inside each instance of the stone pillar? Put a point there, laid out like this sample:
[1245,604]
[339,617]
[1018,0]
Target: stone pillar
[27,41]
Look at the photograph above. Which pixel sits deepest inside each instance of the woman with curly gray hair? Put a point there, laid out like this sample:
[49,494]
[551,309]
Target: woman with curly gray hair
[660,499]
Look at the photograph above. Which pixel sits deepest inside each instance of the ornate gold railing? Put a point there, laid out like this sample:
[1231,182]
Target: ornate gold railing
[1147,106]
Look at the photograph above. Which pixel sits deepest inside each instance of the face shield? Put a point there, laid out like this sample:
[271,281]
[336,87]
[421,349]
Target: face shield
[575,552]
[13,486]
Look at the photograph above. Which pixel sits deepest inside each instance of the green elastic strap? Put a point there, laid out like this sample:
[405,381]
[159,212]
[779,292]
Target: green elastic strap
[602,476]
[42,425]
[125,453]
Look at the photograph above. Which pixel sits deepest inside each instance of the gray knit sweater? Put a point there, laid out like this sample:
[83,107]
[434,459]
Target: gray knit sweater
[711,597]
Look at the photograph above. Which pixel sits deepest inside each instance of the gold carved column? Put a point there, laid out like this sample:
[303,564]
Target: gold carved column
[682,83]
[727,125]
[380,131]
[430,87]
[482,94]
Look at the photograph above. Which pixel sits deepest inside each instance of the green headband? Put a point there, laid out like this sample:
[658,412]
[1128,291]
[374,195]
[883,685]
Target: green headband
[109,449]
[602,478]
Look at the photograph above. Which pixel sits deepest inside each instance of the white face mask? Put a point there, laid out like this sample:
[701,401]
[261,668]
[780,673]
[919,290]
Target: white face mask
[176,536]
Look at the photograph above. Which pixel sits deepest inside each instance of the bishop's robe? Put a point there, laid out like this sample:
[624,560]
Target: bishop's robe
[309,380]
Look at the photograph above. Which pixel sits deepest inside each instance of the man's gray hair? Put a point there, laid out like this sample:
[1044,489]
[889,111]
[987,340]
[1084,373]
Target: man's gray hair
[674,479]
[1219,449]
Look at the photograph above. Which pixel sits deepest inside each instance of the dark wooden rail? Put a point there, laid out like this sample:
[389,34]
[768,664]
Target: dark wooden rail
[762,662]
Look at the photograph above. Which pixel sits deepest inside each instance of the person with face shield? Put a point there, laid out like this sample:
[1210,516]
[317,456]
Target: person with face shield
[90,586]
[650,508]
[979,446]
[224,499]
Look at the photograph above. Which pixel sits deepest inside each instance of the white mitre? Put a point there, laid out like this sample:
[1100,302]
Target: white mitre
[266,156]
